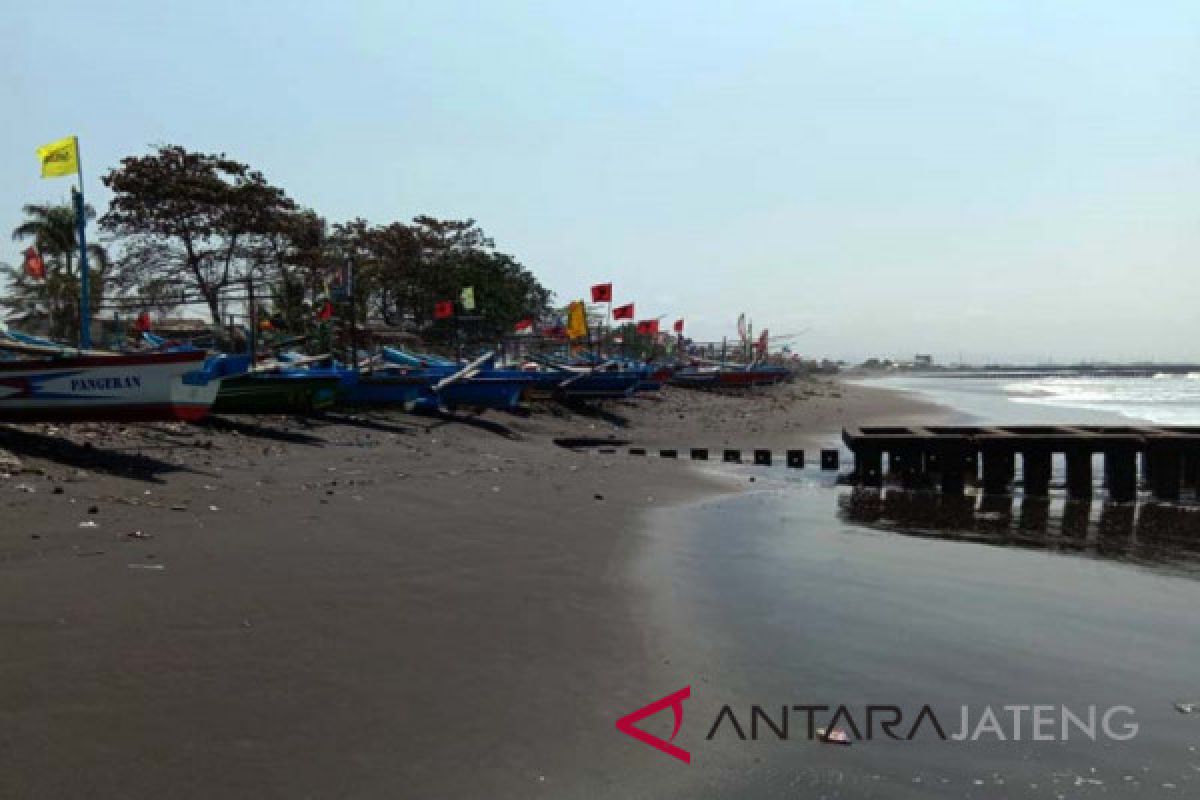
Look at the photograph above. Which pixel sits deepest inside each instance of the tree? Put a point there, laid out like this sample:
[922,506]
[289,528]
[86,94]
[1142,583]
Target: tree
[197,219]
[51,229]
[410,267]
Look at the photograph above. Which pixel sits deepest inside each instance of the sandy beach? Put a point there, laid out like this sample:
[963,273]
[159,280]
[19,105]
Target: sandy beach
[370,606]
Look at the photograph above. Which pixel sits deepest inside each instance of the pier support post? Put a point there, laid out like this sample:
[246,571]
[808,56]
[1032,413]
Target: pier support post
[868,466]
[998,468]
[971,464]
[1036,467]
[1121,468]
[908,466]
[952,463]
[1079,473]
[1191,468]
[1166,472]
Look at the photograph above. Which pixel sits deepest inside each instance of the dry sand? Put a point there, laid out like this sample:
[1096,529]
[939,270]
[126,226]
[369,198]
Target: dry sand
[375,606]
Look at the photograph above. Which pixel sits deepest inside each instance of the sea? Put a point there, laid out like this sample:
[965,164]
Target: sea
[1004,619]
[1160,399]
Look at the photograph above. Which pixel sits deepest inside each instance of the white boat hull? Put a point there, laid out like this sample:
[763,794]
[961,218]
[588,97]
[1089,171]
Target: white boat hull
[142,387]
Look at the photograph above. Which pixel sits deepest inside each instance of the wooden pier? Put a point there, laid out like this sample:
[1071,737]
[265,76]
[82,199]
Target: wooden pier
[951,457]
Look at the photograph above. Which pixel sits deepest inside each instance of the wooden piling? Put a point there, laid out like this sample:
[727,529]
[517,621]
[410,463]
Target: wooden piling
[1120,465]
[868,466]
[1036,467]
[998,469]
[950,455]
[1166,472]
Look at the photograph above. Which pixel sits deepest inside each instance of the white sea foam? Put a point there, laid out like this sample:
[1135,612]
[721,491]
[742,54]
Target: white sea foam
[1168,399]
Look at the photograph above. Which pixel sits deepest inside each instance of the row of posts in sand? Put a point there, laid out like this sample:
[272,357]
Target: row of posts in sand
[952,458]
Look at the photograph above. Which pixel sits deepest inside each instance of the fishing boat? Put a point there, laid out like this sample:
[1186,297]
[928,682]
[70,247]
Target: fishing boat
[269,389]
[695,378]
[53,385]
[730,376]
[599,385]
[380,388]
[478,384]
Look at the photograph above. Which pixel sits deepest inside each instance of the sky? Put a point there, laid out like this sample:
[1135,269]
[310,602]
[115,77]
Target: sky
[980,180]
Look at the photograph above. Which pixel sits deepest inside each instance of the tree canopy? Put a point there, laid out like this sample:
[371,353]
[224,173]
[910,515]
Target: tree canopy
[197,219]
[201,225]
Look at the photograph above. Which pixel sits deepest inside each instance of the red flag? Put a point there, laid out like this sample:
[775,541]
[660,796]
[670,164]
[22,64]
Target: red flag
[443,309]
[35,267]
[523,325]
[326,311]
[602,293]
[762,342]
[679,326]
[648,327]
[142,323]
[623,312]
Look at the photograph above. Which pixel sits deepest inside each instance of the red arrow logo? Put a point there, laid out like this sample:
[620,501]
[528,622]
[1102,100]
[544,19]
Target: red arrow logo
[674,701]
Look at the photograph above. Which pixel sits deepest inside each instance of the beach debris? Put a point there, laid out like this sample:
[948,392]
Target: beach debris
[598,497]
[93,509]
[57,490]
[833,736]
[155,567]
[1188,708]
[179,508]
[88,523]
[24,487]
[213,508]
[138,535]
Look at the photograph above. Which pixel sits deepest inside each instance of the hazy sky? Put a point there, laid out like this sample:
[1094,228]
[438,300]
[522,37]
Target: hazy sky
[1015,179]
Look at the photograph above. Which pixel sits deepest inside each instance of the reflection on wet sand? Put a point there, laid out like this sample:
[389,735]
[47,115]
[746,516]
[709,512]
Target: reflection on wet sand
[1151,532]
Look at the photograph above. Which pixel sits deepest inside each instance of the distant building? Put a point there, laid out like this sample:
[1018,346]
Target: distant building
[921,361]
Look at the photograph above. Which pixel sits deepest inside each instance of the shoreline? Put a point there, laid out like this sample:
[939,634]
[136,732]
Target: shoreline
[350,604]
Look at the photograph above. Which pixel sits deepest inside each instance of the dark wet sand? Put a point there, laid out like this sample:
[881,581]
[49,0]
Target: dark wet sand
[382,607]
[771,599]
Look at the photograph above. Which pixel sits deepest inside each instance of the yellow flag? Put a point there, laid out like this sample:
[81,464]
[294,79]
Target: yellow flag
[468,298]
[577,320]
[59,158]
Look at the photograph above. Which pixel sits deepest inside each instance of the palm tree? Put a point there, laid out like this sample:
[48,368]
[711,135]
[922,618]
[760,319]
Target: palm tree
[51,229]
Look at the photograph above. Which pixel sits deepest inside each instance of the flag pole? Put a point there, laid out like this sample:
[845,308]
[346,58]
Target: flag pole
[608,325]
[85,309]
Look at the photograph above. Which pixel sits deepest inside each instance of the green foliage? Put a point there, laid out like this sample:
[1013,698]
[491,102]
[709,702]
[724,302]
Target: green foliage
[197,227]
[201,220]
[51,230]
